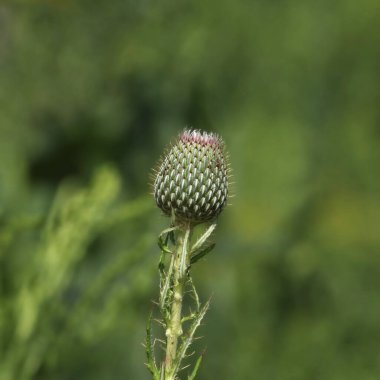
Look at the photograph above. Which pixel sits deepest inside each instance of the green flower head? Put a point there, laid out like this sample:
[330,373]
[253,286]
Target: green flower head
[191,182]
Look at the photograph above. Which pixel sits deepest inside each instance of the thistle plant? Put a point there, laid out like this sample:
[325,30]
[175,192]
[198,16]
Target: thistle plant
[191,186]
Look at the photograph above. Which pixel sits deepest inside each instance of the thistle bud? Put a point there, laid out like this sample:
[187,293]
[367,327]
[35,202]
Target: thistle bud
[192,179]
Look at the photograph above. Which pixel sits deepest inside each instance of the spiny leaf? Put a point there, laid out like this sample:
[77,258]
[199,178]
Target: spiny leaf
[188,339]
[149,350]
[195,294]
[166,286]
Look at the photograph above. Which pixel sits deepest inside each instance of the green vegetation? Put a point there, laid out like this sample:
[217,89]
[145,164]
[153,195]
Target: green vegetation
[90,92]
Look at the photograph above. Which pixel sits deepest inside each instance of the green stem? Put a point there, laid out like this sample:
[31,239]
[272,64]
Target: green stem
[174,329]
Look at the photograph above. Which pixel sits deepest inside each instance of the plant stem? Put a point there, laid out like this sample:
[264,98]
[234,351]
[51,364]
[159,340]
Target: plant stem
[174,329]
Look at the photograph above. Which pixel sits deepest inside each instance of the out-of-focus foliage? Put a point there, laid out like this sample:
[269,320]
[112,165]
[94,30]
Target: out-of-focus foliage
[90,93]
[58,304]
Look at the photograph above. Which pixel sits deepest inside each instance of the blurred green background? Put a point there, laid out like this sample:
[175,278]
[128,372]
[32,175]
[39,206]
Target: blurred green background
[90,94]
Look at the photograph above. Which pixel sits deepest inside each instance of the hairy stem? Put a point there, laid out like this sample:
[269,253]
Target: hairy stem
[174,327]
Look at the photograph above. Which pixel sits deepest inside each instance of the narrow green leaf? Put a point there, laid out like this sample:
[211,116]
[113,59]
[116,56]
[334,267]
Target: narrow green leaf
[163,239]
[161,263]
[166,285]
[184,254]
[172,238]
[202,253]
[189,337]
[199,243]
[195,294]
[162,372]
[151,364]
[163,244]
[168,230]
[196,368]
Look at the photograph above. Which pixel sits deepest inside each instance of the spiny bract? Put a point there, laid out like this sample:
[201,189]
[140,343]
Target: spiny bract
[192,179]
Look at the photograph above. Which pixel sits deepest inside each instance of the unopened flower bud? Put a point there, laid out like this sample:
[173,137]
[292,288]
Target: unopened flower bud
[192,179]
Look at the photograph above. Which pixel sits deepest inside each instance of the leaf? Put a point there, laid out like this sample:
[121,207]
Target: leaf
[172,237]
[167,230]
[195,294]
[199,243]
[149,350]
[196,368]
[184,254]
[189,337]
[163,244]
[163,239]
[202,253]
[166,286]
[164,249]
